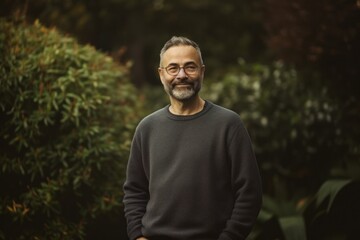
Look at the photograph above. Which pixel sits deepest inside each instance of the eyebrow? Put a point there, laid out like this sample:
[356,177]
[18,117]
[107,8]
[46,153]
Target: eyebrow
[187,63]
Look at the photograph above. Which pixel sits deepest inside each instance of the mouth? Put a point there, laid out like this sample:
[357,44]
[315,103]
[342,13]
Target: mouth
[182,86]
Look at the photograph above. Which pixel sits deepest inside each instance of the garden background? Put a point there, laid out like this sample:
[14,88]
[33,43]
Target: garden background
[77,76]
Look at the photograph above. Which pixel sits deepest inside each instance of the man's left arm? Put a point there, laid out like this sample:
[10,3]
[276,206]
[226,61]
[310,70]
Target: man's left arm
[246,186]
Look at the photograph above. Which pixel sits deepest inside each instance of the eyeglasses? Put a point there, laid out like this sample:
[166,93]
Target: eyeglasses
[174,69]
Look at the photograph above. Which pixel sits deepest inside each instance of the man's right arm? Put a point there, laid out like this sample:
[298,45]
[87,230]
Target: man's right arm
[136,193]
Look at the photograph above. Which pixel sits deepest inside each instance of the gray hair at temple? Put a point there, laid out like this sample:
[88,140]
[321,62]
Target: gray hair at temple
[180,41]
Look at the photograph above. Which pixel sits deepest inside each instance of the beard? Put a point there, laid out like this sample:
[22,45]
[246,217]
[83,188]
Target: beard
[183,93]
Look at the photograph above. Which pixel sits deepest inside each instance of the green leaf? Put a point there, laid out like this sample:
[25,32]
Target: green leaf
[329,190]
[293,227]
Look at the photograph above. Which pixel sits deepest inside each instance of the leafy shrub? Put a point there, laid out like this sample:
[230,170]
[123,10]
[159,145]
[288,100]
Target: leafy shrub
[67,113]
[300,144]
[332,213]
[294,127]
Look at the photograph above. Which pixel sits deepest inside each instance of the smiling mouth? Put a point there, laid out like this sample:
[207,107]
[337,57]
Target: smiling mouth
[184,85]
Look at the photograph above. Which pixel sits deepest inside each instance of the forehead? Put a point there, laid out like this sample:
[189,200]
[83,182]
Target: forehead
[180,55]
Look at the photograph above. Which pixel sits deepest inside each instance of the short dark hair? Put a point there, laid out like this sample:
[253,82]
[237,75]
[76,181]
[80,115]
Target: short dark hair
[180,41]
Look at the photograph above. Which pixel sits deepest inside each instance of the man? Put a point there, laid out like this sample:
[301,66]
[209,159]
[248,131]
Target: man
[192,173]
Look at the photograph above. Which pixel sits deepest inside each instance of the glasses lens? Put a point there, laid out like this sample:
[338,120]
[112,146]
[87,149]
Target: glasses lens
[173,70]
[191,69]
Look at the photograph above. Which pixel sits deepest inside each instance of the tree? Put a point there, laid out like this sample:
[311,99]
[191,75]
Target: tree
[323,34]
[322,38]
[67,113]
[134,31]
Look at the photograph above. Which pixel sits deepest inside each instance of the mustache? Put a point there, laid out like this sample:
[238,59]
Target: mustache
[181,81]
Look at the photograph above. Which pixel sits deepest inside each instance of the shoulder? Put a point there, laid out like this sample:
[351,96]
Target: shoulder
[153,118]
[223,110]
[225,114]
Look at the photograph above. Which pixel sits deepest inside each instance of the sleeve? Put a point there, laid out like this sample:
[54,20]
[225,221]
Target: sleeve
[136,193]
[246,186]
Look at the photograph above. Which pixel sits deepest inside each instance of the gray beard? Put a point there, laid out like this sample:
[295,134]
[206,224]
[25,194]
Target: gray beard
[183,94]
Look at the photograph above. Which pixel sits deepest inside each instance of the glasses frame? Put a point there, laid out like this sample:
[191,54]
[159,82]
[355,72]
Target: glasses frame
[183,67]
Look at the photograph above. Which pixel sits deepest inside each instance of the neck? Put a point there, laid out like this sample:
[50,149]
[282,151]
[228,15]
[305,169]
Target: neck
[189,107]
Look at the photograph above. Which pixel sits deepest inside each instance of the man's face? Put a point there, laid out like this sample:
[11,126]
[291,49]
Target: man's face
[186,83]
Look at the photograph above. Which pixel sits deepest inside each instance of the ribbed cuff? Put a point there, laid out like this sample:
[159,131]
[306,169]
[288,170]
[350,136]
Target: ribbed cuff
[135,234]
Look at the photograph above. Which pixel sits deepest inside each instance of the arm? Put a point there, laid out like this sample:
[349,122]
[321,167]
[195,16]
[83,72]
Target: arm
[246,185]
[135,192]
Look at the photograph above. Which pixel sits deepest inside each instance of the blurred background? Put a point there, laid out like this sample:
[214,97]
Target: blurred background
[77,76]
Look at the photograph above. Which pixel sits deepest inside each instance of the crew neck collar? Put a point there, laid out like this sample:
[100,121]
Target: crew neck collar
[172,116]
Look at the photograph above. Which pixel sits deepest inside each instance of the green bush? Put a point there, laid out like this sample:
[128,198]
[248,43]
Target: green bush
[294,126]
[310,178]
[67,113]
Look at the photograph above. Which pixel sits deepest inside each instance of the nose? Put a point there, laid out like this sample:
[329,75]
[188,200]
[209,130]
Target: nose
[181,73]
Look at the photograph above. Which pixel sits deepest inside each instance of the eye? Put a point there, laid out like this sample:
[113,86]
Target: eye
[172,69]
[191,68]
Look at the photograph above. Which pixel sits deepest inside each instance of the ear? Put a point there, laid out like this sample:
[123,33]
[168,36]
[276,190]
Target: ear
[202,70]
[161,72]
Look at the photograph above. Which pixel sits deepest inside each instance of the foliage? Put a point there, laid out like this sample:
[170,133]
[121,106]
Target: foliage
[136,30]
[332,213]
[303,119]
[67,113]
[298,140]
[322,36]
[295,129]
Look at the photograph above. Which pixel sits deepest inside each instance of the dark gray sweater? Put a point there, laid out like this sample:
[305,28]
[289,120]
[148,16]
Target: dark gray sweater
[192,177]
